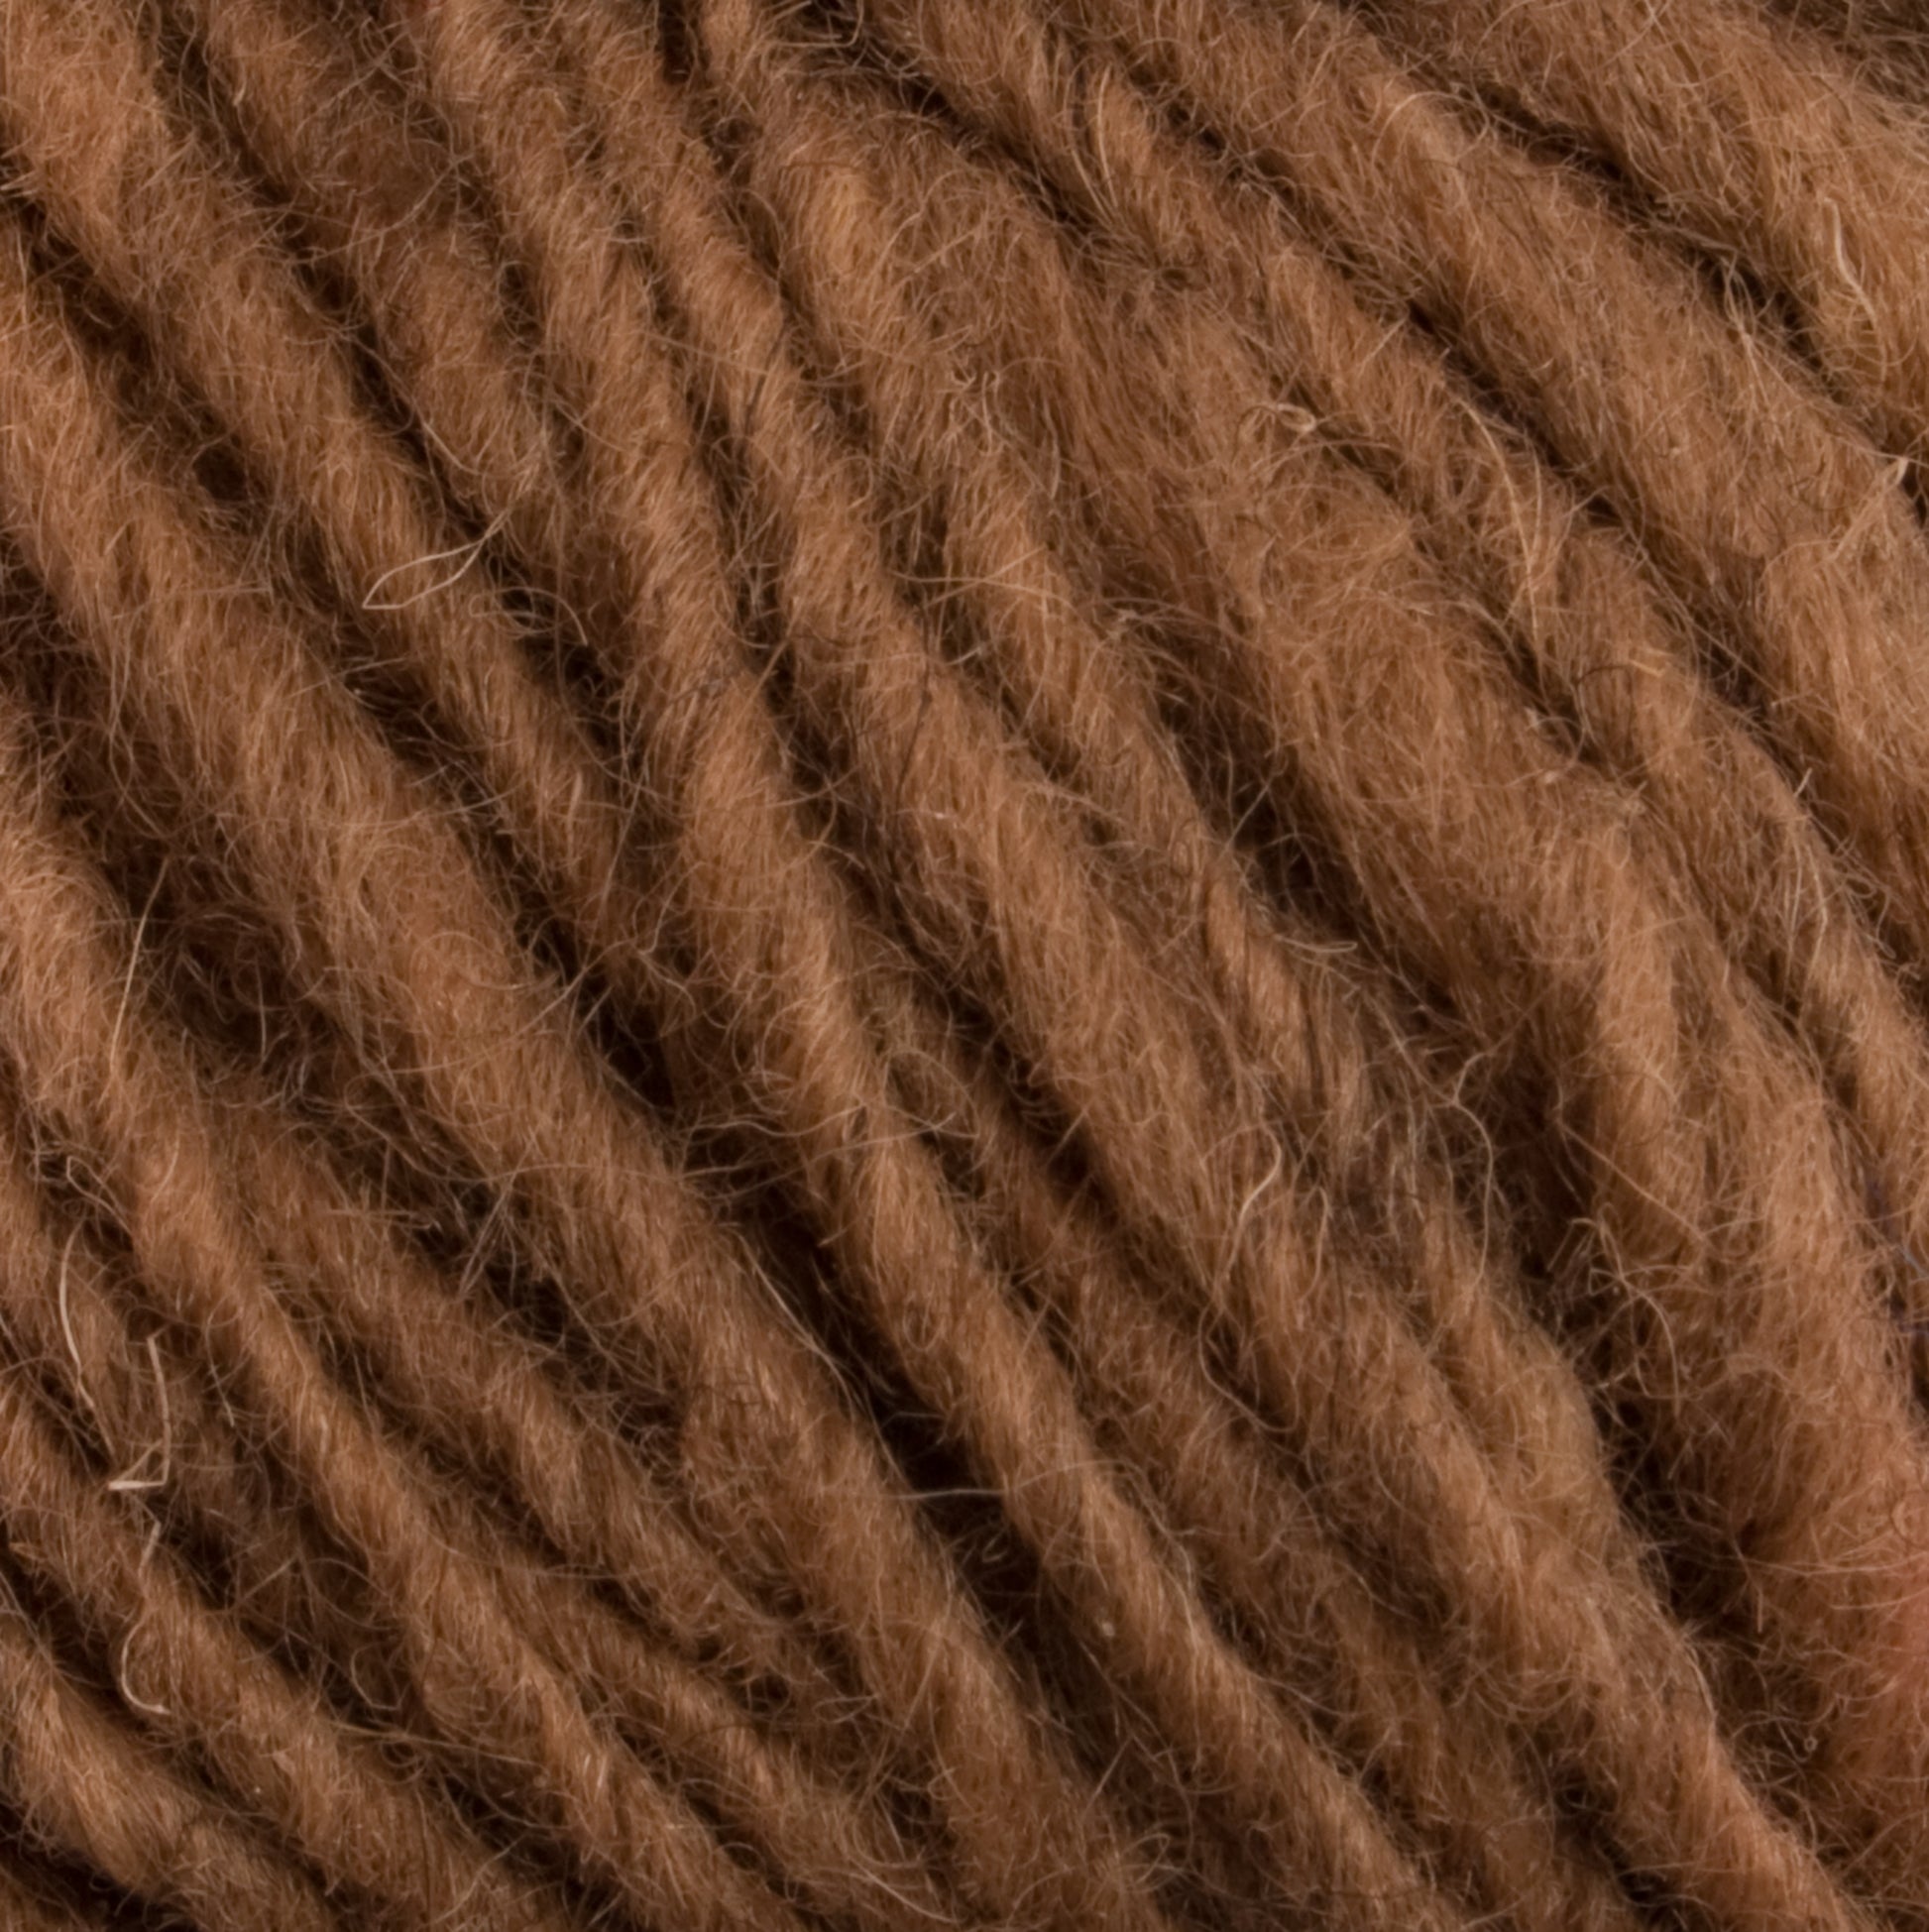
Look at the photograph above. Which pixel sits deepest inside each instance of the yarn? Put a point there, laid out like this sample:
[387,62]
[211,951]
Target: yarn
[962,966]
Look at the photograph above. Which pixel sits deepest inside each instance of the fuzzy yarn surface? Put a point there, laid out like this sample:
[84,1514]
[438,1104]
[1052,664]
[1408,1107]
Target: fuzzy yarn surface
[964,963]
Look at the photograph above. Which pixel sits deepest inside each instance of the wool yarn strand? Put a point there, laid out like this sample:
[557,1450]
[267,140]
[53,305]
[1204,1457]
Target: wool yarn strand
[602,1798]
[84,1785]
[962,966]
[1792,533]
[820,1842]
[1829,205]
[224,743]
[1031,1441]
[1150,1181]
[1257,1538]
[1124,493]
[272,396]
[1604,648]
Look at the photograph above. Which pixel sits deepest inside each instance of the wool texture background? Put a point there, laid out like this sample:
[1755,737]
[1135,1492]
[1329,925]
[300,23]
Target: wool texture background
[964,963]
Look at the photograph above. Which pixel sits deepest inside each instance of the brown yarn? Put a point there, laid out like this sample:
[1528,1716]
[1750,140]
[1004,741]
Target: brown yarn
[1032,279]
[962,966]
[1881,40]
[820,1841]
[1829,1393]
[1296,1015]
[1699,438]
[443,1602]
[825,1848]
[1383,827]
[596,1204]
[85,1785]
[1827,208]
[885,1213]
[939,1237]
[1313,1623]
[575,1479]
[1009,41]
[1568,590]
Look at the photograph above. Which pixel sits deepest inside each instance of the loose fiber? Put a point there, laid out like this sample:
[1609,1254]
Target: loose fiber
[962,966]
